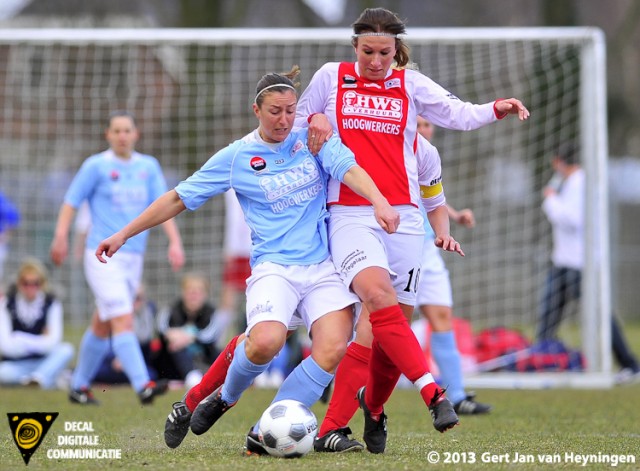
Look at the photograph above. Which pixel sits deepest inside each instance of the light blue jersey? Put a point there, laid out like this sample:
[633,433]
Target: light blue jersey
[117,190]
[282,189]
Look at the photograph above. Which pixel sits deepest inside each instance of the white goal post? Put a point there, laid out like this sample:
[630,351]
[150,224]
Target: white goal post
[191,91]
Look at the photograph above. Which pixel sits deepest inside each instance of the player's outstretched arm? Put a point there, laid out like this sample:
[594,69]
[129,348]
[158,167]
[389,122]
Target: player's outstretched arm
[164,208]
[439,221]
[175,252]
[464,217]
[60,244]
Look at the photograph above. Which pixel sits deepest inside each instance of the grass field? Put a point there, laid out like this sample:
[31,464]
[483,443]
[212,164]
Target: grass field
[543,422]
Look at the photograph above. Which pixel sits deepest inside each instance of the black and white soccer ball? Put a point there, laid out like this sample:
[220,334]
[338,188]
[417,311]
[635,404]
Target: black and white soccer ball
[287,429]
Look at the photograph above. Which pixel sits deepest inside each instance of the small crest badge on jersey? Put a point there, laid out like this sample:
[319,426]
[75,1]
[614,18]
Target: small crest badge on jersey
[349,81]
[258,164]
[393,83]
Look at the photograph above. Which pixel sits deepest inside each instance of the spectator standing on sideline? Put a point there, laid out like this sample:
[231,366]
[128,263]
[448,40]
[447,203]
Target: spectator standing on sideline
[119,184]
[564,207]
[31,329]
[190,329]
[9,220]
[373,107]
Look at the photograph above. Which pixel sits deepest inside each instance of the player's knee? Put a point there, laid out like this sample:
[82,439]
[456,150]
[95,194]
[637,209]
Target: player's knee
[440,317]
[328,355]
[263,344]
[330,340]
[377,297]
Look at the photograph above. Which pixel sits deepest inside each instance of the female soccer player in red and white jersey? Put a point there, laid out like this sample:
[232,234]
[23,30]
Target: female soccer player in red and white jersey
[374,108]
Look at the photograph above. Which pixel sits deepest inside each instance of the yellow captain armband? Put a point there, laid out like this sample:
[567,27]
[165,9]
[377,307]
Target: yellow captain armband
[430,191]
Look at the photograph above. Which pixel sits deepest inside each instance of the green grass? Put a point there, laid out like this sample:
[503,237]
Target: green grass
[526,422]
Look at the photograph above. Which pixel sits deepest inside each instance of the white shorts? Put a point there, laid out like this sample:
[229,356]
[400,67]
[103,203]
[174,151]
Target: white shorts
[434,288]
[357,242]
[114,284]
[295,295]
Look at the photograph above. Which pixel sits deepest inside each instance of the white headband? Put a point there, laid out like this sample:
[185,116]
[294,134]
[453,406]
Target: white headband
[391,35]
[255,100]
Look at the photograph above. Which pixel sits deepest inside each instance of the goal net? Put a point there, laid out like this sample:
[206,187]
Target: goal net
[191,91]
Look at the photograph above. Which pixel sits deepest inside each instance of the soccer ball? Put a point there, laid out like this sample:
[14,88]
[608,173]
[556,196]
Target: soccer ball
[287,429]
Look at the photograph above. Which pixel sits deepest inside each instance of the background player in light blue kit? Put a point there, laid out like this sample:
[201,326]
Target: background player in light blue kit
[282,189]
[119,184]
[435,302]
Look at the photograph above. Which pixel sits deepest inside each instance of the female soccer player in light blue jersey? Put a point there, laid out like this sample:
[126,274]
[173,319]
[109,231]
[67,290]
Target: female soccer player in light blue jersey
[282,189]
[119,184]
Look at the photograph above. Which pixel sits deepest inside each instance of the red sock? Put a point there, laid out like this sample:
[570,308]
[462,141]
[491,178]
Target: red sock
[351,375]
[213,378]
[391,329]
[397,350]
[383,377]
[429,391]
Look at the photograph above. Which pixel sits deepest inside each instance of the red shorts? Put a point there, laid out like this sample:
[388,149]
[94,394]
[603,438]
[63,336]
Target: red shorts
[236,271]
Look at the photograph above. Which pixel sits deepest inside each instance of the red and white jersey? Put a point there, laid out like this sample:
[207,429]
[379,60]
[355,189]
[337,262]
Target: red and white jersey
[386,110]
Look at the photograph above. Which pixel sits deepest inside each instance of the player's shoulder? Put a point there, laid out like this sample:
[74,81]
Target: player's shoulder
[427,153]
[245,144]
[425,145]
[144,157]
[412,76]
[96,160]
[329,68]
[98,156]
[247,139]
[147,161]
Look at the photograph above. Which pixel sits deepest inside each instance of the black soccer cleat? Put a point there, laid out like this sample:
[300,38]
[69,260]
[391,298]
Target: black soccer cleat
[337,441]
[177,425]
[442,411]
[208,412]
[375,431]
[83,396]
[153,389]
[469,406]
[253,446]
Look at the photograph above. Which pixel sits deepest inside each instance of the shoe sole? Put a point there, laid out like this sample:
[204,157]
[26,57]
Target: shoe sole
[447,427]
[174,445]
[256,443]
[248,453]
[179,438]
